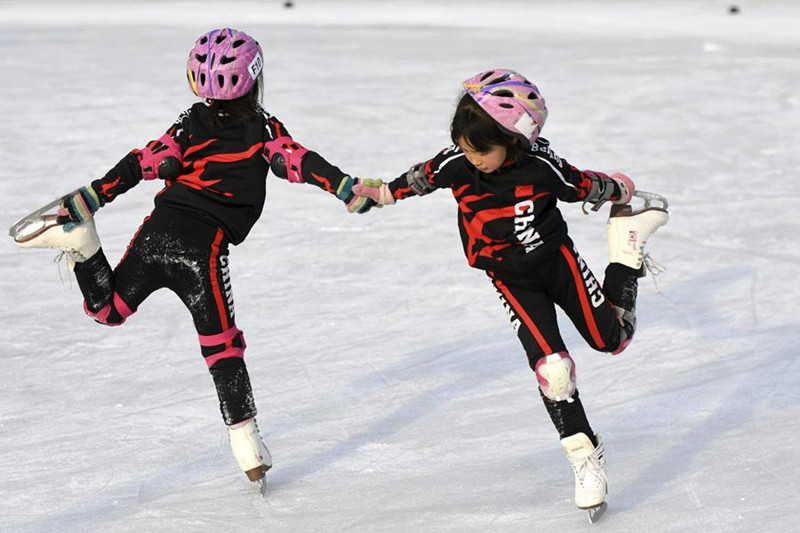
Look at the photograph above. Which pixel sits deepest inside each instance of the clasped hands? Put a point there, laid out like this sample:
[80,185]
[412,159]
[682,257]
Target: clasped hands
[360,195]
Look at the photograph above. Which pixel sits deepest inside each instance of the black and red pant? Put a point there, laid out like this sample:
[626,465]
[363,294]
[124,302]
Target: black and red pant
[188,256]
[565,280]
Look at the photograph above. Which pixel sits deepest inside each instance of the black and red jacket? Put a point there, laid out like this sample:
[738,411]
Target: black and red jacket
[509,219]
[223,179]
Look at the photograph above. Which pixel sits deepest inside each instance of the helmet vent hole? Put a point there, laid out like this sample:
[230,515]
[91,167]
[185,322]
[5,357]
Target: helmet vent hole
[533,96]
[234,80]
[238,42]
[201,58]
[504,92]
[225,60]
[483,78]
[203,39]
[202,79]
[506,105]
[220,81]
[220,38]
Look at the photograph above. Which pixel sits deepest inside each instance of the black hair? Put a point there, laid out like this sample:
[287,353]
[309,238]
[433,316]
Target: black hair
[474,125]
[231,113]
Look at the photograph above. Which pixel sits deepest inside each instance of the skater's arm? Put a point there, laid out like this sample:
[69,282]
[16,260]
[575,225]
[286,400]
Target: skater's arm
[160,158]
[575,185]
[419,180]
[291,161]
[82,205]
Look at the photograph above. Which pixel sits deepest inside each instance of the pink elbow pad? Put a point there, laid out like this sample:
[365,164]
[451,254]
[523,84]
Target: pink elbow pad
[151,156]
[291,153]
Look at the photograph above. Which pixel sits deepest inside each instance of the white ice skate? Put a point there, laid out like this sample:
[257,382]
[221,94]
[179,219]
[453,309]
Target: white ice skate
[44,228]
[80,243]
[249,450]
[33,224]
[629,229]
[591,484]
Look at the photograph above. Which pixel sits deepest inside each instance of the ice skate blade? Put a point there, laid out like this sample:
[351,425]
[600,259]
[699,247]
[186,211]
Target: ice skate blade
[595,513]
[262,486]
[26,230]
[26,225]
[650,198]
[652,202]
[259,475]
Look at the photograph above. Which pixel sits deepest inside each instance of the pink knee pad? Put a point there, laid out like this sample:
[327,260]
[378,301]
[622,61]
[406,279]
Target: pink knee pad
[223,339]
[556,375]
[622,345]
[627,321]
[103,315]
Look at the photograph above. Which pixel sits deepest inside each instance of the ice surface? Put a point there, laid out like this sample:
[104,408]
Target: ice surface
[393,393]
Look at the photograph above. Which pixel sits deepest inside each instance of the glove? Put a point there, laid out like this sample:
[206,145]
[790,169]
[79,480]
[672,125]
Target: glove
[79,207]
[356,203]
[625,186]
[378,192]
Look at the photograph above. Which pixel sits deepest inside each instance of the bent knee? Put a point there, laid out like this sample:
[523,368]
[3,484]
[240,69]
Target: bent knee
[624,333]
[616,335]
[113,313]
[556,375]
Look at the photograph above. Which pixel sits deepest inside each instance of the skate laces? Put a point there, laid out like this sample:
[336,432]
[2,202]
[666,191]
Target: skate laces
[63,259]
[591,471]
[654,267]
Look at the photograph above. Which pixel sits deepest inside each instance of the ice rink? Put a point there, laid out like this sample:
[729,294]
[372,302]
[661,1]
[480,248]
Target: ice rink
[392,391]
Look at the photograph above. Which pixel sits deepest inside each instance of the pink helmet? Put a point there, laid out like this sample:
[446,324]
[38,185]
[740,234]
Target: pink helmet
[509,98]
[224,64]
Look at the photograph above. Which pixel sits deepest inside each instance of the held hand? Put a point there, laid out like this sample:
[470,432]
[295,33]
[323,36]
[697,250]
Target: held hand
[626,188]
[378,192]
[79,207]
[357,203]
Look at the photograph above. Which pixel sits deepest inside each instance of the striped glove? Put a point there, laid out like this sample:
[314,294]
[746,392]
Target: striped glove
[356,203]
[79,207]
[378,192]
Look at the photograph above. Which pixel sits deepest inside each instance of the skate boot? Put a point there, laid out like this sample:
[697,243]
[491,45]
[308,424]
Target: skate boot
[591,484]
[79,243]
[628,229]
[249,450]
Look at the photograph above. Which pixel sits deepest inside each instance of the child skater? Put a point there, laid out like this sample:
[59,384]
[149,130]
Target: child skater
[214,160]
[507,181]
